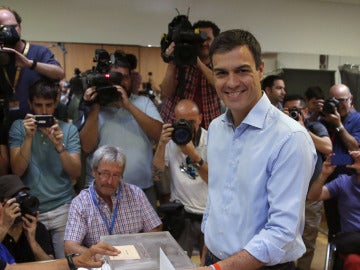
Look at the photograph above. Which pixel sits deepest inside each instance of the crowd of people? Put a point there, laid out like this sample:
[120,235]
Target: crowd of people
[250,181]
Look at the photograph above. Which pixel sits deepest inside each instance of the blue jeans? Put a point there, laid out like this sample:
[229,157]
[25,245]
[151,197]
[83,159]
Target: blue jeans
[55,222]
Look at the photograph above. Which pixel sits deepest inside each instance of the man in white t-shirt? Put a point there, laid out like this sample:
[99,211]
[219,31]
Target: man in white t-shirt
[187,164]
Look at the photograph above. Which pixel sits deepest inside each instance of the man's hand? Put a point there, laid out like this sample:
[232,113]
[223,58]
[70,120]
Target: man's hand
[29,226]
[90,94]
[11,212]
[327,168]
[89,259]
[123,100]
[166,133]
[55,135]
[333,119]
[20,59]
[29,124]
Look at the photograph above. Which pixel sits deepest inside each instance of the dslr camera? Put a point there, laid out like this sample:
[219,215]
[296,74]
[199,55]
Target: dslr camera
[294,113]
[187,41]
[183,132]
[103,80]
[330,105]
[28,204]
[8,38]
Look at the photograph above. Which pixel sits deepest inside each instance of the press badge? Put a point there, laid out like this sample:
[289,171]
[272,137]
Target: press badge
[14,105]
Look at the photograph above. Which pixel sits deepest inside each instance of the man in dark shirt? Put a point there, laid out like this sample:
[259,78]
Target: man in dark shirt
[26,239]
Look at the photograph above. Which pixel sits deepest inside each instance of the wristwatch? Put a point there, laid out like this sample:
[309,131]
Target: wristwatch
[198,164]
[339,128]
[70,261]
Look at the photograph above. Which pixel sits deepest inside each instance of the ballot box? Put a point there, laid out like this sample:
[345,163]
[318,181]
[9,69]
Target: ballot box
[142,251]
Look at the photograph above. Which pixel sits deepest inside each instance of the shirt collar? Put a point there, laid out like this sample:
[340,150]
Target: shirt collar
[256,116]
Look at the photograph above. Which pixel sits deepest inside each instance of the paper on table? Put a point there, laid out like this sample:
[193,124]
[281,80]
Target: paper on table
[127,252]
[165,263]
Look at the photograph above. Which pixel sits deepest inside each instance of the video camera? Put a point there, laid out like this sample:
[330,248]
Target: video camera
[187,41]
[8,38]
[103,80]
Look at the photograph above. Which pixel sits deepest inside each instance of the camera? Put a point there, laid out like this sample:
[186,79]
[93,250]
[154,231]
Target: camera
[183,132]
[8,38]
[330,105]
[294,113]
[105,88]
[44,120]
[187,41]
[28,204]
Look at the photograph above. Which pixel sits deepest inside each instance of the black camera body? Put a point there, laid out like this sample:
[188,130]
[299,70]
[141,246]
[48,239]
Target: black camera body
[187,41]
[8,38]
[104,83]
[44,120]
[294,113]
[330,105]
[28,204]
[183,132]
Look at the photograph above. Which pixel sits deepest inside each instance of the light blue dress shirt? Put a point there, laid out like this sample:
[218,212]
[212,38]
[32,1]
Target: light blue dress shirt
[259,174]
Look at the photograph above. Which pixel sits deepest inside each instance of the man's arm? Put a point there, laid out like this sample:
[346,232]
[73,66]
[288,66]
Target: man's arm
[318,191]
[73,247]
[20,156]
[87,259]
[4,159]
[48,70]
[169,83]
[30,225]
[349,141]
[322,144]
[206,71]
[242,260]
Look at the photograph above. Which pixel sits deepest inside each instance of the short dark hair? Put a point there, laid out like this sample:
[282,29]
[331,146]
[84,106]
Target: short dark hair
[269,81]
[208,24]
[44,88]
[121,60]
[16,15]
[314,92]
[228,40]
[295,97]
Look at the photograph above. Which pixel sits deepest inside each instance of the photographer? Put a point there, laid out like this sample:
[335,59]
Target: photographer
[194,82]
[31,61]
[45,153]
[26,238]
[126,120]
[296,108]
[188,167]
[343,124]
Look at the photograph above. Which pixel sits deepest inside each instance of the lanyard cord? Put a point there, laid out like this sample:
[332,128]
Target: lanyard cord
[93,196]
[18,70]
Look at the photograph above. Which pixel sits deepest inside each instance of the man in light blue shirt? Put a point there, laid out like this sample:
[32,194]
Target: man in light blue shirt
[260,163]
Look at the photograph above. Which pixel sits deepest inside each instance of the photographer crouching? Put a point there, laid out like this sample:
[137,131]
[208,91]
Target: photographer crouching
[25,238]
[188,74]
[119,118]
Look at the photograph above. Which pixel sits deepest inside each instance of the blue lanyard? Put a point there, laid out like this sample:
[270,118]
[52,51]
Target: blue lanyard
[109,228]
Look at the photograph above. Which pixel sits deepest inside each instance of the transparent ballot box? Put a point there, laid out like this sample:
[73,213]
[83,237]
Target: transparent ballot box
[142,251]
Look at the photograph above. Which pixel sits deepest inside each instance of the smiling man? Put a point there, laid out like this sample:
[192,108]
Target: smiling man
[109,206]
[258,173]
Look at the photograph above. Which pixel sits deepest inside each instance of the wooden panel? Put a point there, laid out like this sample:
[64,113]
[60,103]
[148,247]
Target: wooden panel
[80,55]
[151,61]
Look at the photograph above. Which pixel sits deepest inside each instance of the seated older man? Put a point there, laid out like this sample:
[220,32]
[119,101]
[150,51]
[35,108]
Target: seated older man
[108,206]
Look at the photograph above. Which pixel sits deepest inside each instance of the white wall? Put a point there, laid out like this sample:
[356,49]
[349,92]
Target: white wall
[288,26]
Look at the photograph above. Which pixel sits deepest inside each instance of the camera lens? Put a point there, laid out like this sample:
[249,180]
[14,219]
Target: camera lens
[183,131]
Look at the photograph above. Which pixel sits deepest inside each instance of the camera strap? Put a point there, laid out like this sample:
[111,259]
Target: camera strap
[18,70]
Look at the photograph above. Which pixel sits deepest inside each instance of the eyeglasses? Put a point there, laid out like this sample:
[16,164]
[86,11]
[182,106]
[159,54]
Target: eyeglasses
[342,99]
[106,175]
